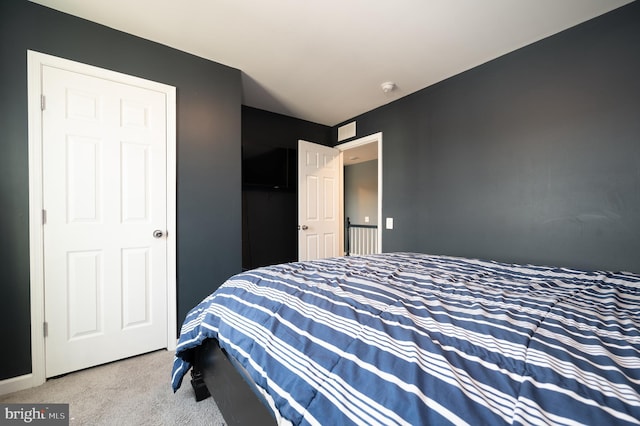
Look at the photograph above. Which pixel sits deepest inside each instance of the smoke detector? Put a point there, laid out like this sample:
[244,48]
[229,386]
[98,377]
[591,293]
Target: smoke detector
[388,86]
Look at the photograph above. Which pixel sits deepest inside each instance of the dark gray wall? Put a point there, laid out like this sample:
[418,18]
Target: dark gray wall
[208,150]
[270,217]
[533,157]
[361,192]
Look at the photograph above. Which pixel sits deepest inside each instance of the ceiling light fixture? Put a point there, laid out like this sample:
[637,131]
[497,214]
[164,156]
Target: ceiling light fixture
[388,86]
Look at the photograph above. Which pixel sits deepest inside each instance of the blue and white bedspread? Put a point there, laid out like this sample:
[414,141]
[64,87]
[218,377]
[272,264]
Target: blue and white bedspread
[415,339]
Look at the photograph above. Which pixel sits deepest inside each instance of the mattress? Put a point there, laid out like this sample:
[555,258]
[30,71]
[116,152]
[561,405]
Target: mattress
[410,338]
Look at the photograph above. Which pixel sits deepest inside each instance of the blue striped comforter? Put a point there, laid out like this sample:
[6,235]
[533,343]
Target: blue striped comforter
[412,339]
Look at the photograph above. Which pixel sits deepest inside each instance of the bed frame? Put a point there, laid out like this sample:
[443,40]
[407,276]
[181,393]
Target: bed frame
[214,373]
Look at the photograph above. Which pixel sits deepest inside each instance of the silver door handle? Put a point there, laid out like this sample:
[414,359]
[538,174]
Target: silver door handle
[158,233]
[303,227]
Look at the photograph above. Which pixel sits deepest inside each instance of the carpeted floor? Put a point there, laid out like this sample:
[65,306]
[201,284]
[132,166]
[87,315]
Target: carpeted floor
[135,391]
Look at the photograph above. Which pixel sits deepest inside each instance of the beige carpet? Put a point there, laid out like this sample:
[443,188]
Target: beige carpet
[135,391]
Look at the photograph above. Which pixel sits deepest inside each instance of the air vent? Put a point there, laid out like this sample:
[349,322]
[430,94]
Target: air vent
[347,131]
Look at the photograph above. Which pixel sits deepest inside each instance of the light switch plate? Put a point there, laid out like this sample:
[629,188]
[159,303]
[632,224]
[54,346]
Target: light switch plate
[389,223]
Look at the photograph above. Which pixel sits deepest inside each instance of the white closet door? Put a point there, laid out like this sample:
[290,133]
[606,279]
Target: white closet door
[104,186]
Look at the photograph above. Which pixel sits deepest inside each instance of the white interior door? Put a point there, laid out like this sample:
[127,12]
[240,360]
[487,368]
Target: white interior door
[104,194]
[318,201]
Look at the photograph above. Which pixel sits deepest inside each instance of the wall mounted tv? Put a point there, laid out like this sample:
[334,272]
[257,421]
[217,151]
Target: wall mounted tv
[274,169]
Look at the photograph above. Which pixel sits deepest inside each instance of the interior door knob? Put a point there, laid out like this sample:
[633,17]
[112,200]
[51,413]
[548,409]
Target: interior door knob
[303,227]
[158,233]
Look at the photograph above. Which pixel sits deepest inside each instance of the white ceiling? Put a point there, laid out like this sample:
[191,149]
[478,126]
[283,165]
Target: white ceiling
[324,60]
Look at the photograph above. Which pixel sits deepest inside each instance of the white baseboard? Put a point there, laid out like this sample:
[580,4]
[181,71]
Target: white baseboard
[19,383]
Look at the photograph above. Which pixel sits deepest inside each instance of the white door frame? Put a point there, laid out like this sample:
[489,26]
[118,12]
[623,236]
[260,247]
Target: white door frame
[373,138]
[35,62]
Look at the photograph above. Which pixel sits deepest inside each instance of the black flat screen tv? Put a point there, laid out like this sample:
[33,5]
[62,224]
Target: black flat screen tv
[275,169]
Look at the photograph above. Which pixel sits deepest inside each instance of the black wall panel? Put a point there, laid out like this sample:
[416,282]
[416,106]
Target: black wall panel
[270,215]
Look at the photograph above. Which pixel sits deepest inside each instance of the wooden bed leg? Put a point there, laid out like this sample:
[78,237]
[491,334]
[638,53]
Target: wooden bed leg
[199,387]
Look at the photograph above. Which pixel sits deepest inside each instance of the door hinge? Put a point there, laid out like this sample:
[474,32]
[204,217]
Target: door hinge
[43,102]
[44,217]
[45,329]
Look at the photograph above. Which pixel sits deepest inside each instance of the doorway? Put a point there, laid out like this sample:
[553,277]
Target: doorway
[364,154]
[80,157]
[325,199]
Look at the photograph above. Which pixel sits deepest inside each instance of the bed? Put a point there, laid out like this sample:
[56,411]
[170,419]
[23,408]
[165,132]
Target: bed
[409,338]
